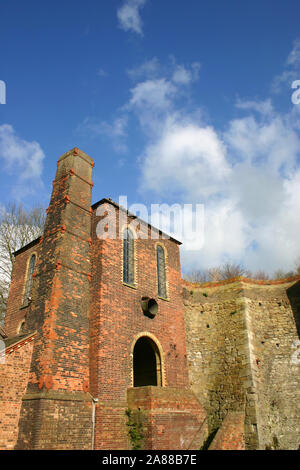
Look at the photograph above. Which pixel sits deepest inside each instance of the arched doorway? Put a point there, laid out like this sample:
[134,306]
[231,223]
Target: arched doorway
[146,363]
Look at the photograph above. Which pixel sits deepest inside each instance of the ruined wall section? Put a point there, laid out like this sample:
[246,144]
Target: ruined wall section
[218,348]
[274,316]
[244,353]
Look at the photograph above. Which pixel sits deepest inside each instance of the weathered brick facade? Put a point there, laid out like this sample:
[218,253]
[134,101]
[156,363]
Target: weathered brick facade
[74,382]
[117,321]
[14,373]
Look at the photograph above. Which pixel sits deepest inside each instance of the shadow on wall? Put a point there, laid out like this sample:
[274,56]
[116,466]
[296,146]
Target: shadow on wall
[293,294]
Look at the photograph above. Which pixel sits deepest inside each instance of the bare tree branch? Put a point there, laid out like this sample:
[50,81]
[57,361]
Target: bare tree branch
[261,275]
[18,227]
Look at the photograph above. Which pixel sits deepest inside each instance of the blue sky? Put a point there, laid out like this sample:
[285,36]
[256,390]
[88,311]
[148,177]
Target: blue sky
[177,102]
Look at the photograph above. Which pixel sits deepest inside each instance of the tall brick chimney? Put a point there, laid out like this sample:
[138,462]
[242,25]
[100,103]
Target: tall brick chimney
[56,409]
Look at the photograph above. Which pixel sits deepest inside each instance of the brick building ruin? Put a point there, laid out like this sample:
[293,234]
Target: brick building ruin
[102,332]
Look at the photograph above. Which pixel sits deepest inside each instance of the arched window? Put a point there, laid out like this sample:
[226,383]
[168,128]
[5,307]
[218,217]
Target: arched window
[128,257]
[147,368]
[21,327]
[161,272]
[28,284]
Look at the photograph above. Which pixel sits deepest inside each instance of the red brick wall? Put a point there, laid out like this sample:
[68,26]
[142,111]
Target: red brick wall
[172,417]
[111,431]
[15,312]
[88,321]
[55,421]
[59,314]
[13,381]
[116,319]
[230,436]
[60,297]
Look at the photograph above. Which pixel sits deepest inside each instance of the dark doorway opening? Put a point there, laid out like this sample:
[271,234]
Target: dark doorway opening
[146,363]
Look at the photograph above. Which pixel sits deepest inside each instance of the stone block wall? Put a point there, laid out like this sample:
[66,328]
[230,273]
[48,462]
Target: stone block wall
[243,355]
[217,348]
[274,311]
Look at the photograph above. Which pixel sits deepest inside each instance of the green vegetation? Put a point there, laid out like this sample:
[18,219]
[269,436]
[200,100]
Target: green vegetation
[135,428]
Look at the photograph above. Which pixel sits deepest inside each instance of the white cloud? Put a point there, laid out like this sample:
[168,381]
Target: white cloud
[178,74]
[151,101]
[263,107]
[184,76]
[271,142]
[149,69]
[248,179]
[247,176]
[116,131]
[226,234]
[292,69]
[129,16]
[22,158]
[152,94]
[154,99]
[181,75]
[185,158]
[294,56]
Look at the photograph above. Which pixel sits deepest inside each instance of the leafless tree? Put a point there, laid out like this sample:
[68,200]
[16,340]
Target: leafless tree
[230,270]
[297,270]
[197,276]
[214,274]
[218,273]
[261,275]
[281,274]
[18,227]
[204,275]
